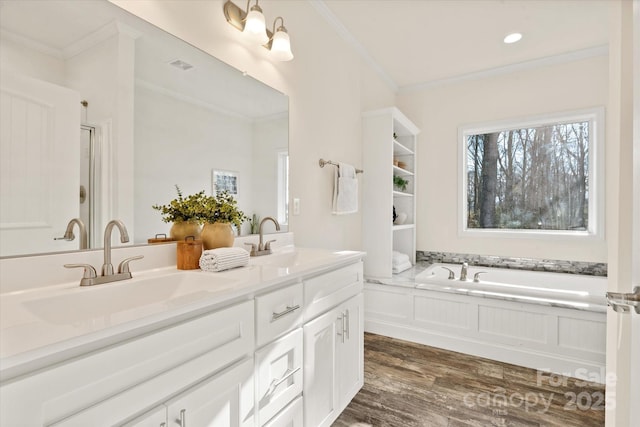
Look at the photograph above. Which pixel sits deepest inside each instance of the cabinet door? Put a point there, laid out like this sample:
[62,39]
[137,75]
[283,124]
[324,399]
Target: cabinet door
[320,387]
[291,416]
[350,351]
[155,418]
[278,375]
[224,400]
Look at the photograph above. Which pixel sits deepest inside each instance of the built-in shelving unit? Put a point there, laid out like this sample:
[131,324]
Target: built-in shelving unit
[389,146]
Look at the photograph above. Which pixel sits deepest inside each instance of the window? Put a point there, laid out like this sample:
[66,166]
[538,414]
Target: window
[283,187]
[539,176]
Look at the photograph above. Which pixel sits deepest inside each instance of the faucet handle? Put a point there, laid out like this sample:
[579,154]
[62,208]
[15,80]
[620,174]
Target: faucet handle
[452,275]
[254,248]
[89,271]
[267,246]
[123,267]
[476,277]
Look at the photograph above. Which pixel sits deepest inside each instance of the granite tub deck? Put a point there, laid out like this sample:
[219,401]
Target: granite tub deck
[539,323]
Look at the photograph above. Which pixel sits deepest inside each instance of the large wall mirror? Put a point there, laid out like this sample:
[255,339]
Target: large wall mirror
[104,114]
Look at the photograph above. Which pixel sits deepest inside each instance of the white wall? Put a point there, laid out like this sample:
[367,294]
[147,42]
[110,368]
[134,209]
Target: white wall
[179,143]
[21,59]
[328,85]
[440,110]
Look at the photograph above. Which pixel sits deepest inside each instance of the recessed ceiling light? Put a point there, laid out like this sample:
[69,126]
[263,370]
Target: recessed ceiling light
[512,38]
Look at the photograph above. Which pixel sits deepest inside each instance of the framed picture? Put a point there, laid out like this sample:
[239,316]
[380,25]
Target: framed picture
[224,181]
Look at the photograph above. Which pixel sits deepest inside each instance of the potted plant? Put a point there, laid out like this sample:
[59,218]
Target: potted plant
[218,214]
[184,213]
[400,183]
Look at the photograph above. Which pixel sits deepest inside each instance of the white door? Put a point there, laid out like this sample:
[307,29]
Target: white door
[225,400]
[623,327]
[320,386]
[40,158]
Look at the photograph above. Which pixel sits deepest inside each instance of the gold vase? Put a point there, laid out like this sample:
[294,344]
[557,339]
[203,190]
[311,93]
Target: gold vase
[217,235]
[180,230]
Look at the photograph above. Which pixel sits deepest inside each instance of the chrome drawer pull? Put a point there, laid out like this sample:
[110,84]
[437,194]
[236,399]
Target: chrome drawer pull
[183,418]
[288,374]
[286,311]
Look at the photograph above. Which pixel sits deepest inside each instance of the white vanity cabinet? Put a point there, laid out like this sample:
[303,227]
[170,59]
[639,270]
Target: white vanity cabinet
[121,381]
[226,399]
[285,353]
[333,345]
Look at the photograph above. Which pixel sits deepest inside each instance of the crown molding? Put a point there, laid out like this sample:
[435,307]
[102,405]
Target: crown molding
[103,33]
[31,44]
[576,55]
[342,31]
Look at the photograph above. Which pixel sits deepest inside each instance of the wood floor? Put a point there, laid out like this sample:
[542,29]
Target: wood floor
[408,384]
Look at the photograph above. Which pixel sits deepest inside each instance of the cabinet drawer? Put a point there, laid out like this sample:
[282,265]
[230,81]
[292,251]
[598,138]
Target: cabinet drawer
[291,416]
[278,374]
[328,290]
[189,350]
[278,312]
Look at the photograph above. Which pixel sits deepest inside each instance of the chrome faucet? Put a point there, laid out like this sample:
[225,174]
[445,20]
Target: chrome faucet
[68,234]
[463,271]
[263,248]
[90,276]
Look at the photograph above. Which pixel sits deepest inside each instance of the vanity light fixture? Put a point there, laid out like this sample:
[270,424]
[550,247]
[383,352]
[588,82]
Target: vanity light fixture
[252,22]
[512,38]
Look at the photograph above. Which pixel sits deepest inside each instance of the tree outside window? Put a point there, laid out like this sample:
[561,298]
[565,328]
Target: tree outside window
[531,177]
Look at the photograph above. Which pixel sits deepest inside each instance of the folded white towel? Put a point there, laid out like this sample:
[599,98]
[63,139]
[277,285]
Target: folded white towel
[399,258]
[402,267]
[223,259]
[345,190]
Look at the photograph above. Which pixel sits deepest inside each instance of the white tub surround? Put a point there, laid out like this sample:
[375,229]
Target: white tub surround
[546,321]
[146,348]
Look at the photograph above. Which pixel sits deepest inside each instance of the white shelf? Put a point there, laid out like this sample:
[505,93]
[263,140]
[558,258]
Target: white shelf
[401,150]
[379,196]
[403,227]
[401,194]
[399,171]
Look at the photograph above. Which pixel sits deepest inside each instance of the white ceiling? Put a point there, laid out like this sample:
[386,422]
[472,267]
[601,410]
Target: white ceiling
[417,42]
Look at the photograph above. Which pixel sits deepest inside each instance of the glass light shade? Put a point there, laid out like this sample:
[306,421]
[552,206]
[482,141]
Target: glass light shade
[255,27]
[281,46]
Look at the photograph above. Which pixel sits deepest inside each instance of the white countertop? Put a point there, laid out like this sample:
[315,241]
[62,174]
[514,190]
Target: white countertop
[46,325]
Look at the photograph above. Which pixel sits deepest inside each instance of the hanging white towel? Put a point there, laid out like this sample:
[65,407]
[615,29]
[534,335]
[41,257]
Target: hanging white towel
[345,190]
[223,259]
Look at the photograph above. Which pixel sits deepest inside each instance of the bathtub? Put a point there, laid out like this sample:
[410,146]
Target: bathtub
[534,287]
[552,322]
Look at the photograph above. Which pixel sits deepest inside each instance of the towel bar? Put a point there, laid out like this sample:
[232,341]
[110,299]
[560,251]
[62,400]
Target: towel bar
[323,162]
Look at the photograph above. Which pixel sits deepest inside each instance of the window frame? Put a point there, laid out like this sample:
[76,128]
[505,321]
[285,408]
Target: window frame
[596,205]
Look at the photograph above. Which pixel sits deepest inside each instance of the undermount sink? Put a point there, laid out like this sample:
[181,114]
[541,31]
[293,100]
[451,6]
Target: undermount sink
[288,258]
[120,298]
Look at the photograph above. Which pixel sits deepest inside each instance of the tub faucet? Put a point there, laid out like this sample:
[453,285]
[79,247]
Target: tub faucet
[463,271]
[263,248]
[90,276]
